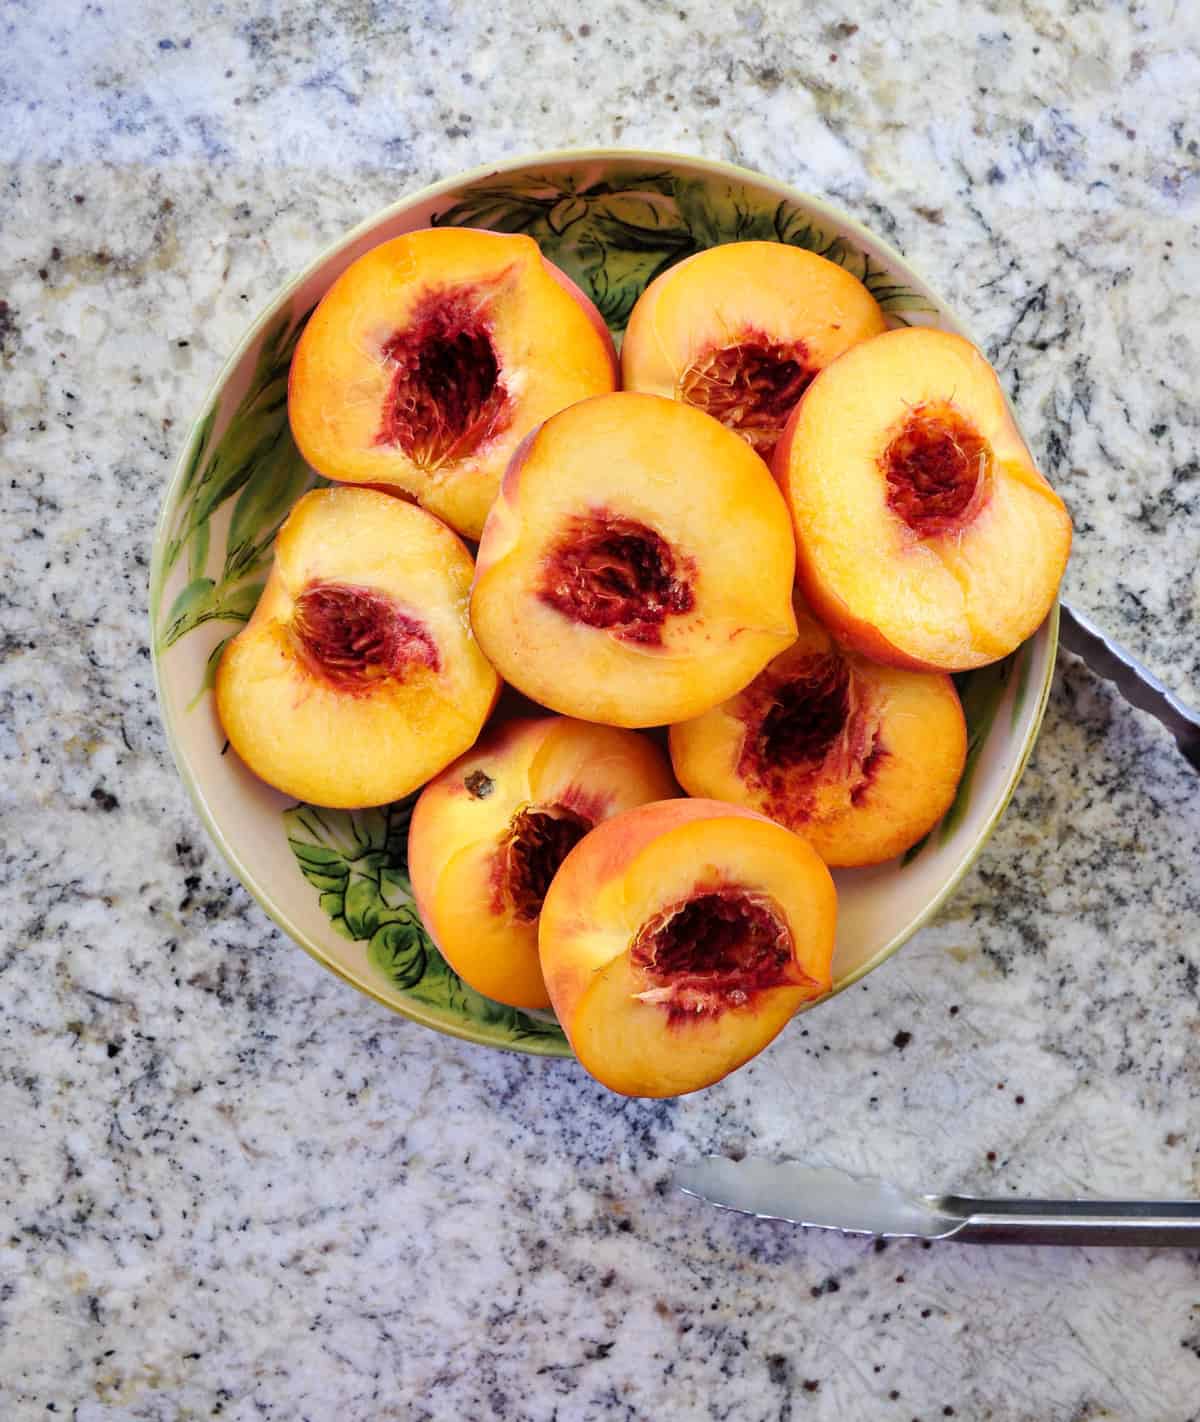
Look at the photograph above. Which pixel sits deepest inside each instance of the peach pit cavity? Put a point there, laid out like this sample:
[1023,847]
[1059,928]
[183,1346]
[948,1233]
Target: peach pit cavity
[936,468]
[751,386]
[714,950]
[617,574]
[539,839]
[355,637]
[447,394]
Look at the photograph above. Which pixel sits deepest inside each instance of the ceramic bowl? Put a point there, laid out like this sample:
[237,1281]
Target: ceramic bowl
[337,882]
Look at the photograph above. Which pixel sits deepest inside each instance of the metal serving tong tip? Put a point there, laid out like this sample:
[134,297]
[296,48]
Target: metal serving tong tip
[1139,686]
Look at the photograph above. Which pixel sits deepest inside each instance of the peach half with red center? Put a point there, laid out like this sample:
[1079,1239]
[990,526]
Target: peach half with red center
[430,359]
[357,677]
[489,833]
[858,758]
[926,537]
[740,330]
[637,567]
[679,938]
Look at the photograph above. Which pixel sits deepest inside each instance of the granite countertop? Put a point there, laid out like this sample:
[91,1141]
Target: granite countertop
[229,1186]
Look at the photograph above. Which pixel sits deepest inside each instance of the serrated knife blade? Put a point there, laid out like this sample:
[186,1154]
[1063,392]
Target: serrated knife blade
[820,1197]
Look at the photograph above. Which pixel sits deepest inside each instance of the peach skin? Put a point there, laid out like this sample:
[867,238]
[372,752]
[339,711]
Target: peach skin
[488,834]
[740,330]
[357,677]
[430,359]
[859,759]
[925,535]
[678,939]
[637,567]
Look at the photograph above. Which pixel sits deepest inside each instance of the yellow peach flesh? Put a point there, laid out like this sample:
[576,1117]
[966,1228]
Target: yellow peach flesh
[775,305]
[542,341]
[310,736]
[460,838]
[877,780]
[632,869]
[953,601]
[642,462]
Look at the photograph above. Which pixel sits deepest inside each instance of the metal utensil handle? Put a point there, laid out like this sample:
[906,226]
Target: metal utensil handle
[1136,683]
[1100,1222]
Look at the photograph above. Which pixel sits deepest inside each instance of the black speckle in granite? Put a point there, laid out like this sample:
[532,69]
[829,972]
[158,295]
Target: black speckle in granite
[767,76]
[779,1370]
[880,218]
[901,1040]
[1166,508]
[105,799]
[189,854]
[9,331]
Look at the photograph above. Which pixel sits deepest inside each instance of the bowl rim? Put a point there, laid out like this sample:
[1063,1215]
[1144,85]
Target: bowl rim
[270,310]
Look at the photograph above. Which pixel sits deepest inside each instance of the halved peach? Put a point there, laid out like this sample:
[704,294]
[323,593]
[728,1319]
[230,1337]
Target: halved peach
[857,758]
[678,939]
[637,567]
[357,677]
[430,359]
[488,834]
[740,330]
[925,535]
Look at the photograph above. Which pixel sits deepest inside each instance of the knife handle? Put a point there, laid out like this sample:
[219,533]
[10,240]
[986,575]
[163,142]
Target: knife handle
[1148,1223]
[1136,683]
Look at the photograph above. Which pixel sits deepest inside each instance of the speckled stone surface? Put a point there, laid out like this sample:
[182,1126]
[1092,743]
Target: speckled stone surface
[231,1188]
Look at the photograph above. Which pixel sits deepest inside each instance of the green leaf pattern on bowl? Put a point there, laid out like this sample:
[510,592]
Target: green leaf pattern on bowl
[358,863]
[255,460]
[614,236]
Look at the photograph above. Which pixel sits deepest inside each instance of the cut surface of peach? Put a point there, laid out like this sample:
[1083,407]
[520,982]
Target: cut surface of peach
[740,330]
[432,356]
[858,758]
[637,567]
[679,938]
[489,833]
[357,677]
[926,537]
